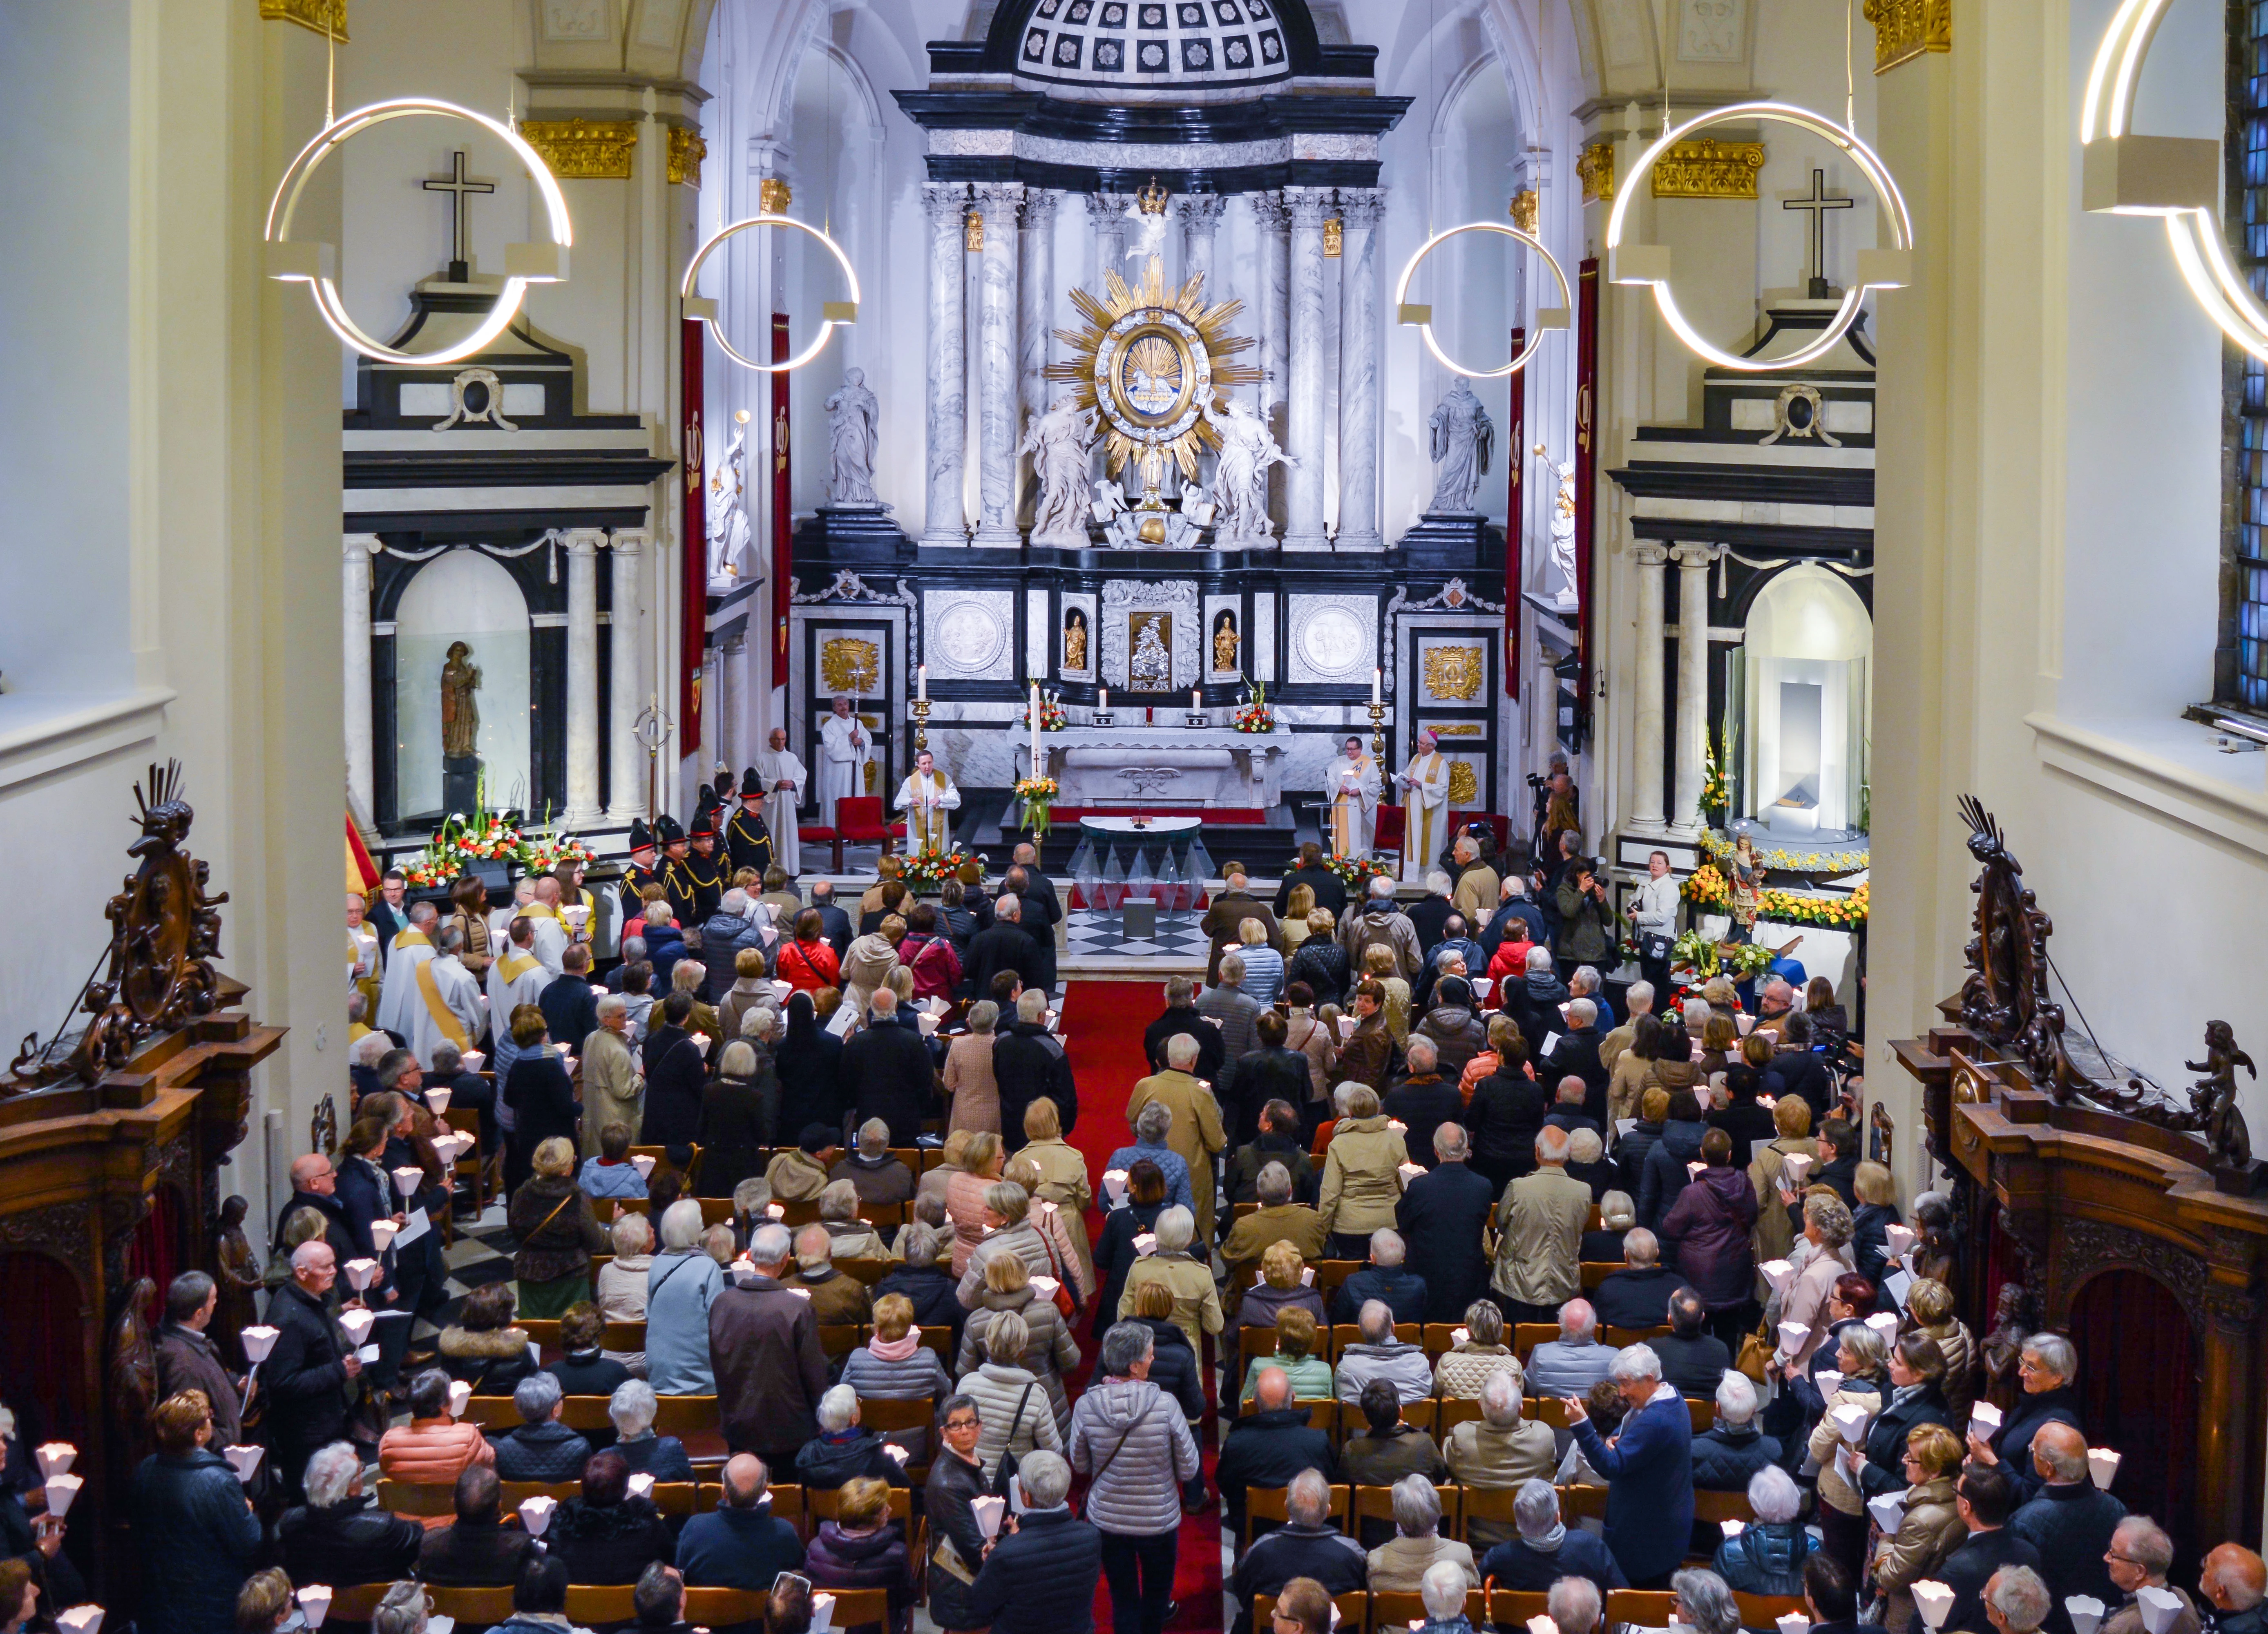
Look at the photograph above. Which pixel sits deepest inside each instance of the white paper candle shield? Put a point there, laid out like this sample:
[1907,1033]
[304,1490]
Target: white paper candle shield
[1792,1336]
[63,1492]
[743,1273]
[891,1449]
[1146,1243]
[1777,1272]
[800,1293]
[1885,1324]
[461,1393]
[1887,1509]
[988,1512]
[2159,1607]
[368,1355]
[258,1341]
[1306,1276]
[245,1460]
[361,1273]
[1827,1382]
[381,1237]
[1934,1601]
[1409,1172]
[641,1486]
[1045,1287]
[1693,1169]
[2102,1464]
[2085,1612]
[1732,1528]
[315,1603]
[535,1514]
[407,1179]
[1793,1622]
[1540,1625]
[1984,1420]
[822,1612]
[1796,1166]
[55,1458]
[357,1324]
[1460,1336]
[1898,1238]
[1114,1187]
[1850,1421]
[436,1102]
[778,1211]
[1398,1126]
[80,1620]
[643,1162]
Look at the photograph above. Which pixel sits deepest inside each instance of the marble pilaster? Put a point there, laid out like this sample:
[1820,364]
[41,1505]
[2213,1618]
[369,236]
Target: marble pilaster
[1270,220]
[1646,721]
[1305,438]
[1036,303]
[1692,740]
[627,684]
[1200,214]
[945,519]
[734,703]
[1360,210]
[1106,215]
[582,676]
[362,773]
[998,425]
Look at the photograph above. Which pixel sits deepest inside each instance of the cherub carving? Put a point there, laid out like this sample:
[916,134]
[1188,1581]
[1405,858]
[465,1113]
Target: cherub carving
[2214,1096]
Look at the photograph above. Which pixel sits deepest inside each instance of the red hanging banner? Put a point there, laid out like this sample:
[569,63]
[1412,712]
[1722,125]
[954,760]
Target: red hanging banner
[782,530]
[1516,516]
[693,536]
[1587,472]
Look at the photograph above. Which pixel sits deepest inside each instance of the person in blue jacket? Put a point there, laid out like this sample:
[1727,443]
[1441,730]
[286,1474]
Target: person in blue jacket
[193,1529]
[1649,1468]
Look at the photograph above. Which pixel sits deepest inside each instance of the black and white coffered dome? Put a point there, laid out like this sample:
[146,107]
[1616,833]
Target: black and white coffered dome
[1140,50]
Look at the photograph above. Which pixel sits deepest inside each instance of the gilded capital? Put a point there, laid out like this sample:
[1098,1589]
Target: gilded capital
[1594,167]
[1526,210]
[1707,169]
[687,150]
[323,15]
[1905,29]
[582,150]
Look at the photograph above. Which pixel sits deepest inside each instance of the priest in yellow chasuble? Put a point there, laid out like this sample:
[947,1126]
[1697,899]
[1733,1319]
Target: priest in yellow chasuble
[1424,809]
[517,977]
[927,796]
[411,946]
[1350,786]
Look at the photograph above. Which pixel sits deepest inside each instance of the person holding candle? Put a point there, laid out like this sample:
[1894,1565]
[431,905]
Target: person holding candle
[193,1529]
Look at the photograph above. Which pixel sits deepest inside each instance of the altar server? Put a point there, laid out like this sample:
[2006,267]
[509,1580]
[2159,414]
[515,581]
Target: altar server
[447,1007]
[1350,786]
[519,977]
[926,796]
[780,777]
[843,748]
[412,947]
[1424,809]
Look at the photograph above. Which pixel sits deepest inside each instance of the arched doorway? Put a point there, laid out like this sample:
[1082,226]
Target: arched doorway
[1807,718]
[2138,1375]
[462,596]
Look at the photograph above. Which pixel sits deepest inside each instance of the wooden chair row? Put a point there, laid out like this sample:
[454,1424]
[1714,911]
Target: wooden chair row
[473,1609]
[684,1415]
[1439,1416]
[1328,1275]
[803,1508]
[835,1338]
[1461,1506]
[1368,1612]
[1436,1338]
[598,1608]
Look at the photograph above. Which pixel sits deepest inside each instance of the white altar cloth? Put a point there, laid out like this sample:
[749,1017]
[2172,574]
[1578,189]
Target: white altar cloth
[1156,766]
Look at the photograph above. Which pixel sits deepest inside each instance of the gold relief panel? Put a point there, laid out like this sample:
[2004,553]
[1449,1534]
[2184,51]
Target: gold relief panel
[1334,237]
[1709,170]
[323,15]
[973,233]
[584,149]
[849,664]
[1464,784]
[1453,674]
[1594,166]
[1906,29]
[1456,728]
[687,150]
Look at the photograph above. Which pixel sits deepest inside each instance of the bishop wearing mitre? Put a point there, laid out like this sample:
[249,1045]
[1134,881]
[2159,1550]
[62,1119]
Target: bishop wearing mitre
[1350,791]
[781,777]
[412,945]
[926,796]
[446,1006]
[1424,809]
[843,748]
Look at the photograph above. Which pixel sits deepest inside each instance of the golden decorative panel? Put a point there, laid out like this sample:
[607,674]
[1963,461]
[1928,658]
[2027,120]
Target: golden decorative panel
[1334,237]
[1452,672]
[1905,29]
[847,665]
[1709,170]
[1464,783]
[1527,210]
[1594,166]
[773,196]
[973,233]
[687,150]
[584,149]
[323,15]
[1455,729]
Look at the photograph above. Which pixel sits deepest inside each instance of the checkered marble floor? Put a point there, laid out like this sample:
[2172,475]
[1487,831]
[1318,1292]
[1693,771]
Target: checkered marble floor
[1088,934]
[481,1255]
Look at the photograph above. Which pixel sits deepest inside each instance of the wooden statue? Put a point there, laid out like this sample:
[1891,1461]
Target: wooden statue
[237,1274]
[130,1371]
[2214,1096]
[2004,1345]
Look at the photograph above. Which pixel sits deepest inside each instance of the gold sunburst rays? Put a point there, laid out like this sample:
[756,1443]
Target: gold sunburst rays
[1170,348]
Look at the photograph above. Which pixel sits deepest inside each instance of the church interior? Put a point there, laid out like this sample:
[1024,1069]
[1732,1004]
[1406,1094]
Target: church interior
[1134,704]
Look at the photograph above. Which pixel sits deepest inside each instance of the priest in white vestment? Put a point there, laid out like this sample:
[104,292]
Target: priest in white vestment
[1424,809]
[1350,790]
[411,947]
[517,977]
[843,748]
[782,776]
[445,1005]
[551,937]
[927,796]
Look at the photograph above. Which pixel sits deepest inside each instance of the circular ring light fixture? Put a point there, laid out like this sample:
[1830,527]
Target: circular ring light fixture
[2176,177]
[316,264]
[1422,316]
[832,313]
[1649,263]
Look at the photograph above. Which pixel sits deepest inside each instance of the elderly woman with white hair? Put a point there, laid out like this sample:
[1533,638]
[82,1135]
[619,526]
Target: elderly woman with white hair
[1196,1297]
[1398,1566]
[335,1536]
[1361,1188]
[1050,1350]
[2047,1367]
[1767,1555]
[621,1282]
[683,1282]
[1480,1356]
[1011,1233]
[1152,1126]
[1864,1389]
[968,1080]
[1018,1412]
[632,1408]
[1705,1604]
[844,1450]
[740,1114]
[847,1236]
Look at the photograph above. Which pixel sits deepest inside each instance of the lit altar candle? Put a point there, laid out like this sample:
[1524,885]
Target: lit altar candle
[1377,678]
[1103,700]
[921,681]
[1035,729]
[1197,701]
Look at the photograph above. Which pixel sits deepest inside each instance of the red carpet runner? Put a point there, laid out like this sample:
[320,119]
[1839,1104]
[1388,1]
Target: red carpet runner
[1105,1022]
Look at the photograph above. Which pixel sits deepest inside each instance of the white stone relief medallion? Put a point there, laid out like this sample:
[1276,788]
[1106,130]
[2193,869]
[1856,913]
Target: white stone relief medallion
[969,636]
[1330,641]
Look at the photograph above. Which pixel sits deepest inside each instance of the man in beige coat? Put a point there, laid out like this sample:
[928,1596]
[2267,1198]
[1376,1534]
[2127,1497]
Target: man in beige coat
[1196,1134]
[1276,1219]
[1477,883]
[1540,1222]
[1497,1451]
[613,1087]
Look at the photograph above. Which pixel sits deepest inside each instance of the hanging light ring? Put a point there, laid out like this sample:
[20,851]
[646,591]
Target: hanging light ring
[313,264]
[1649,263]
[833,313]
[1422,317]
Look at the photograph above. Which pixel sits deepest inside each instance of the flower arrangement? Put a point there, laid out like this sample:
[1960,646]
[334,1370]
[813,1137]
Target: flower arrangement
[1827,863]
[1743,960]
[1038,796]
[431,868]
[1697,953]
[1356,872]
[1254,715]
[542,853]
[1052,717]
[1706,887]
[1716,793]
[934,867]
[1834,913]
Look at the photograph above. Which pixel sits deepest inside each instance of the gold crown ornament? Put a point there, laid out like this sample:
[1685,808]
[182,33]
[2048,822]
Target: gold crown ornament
[1153,199]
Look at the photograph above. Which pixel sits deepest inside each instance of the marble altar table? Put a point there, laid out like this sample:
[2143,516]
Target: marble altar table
[1167,766]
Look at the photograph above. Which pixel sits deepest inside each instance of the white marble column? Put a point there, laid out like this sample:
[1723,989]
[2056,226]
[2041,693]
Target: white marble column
[1200,214]
[996,364]
[361,765]
[1692,740]
[1305,434]
[1269,219]
[582,675]
[1646,725]
[946,521]
[1036,307]
[1360,210]
[732,705]
[627,691]
[1106,216]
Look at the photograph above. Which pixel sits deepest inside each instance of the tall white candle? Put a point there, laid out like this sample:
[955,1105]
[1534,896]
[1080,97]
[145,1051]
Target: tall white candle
[1103,700]
[921,678]
[1035,729]
[1377,681]
[1197,700]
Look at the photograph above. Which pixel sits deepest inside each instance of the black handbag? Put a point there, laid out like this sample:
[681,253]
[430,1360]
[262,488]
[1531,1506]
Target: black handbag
[1006,1471]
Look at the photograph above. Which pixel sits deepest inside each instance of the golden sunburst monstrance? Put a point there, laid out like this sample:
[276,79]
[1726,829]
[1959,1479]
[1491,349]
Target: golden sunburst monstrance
[1151,367]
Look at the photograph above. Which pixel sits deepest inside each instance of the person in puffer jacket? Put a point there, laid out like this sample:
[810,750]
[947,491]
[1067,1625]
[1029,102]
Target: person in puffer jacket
[724,935]
[1128,1438]
[432,1449]
[1767,1557]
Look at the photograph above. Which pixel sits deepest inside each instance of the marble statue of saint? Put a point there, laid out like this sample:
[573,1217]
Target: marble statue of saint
[1563,526]
[1059,442]
[1225,643]
[1462,438]
[1151,667]
[460,715]
[729,533]
[1075,641]
[854,421]
[1240,478]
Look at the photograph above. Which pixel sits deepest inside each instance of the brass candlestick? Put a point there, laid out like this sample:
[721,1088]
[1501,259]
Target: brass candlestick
[921,725]
[1378,751]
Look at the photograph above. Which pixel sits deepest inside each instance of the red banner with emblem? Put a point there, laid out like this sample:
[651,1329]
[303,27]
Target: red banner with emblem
[1516,516]
[783,521]
[693,536]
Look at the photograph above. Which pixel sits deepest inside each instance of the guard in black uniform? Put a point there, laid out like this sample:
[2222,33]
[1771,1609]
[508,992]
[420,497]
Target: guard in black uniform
[676,856]
[700,874]
[641,872]
[748,838]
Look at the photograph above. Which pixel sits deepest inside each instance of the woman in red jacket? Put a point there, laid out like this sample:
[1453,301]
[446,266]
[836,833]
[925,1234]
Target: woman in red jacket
[808,963]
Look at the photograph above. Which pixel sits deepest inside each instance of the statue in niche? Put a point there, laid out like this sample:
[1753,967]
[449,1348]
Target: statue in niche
[1225,643]
[2213,1097]
[460,713]
[853,438]
[729,533]
[1241,477]
[1563,526]
[1463,438]
[1059,442]
[1074,645]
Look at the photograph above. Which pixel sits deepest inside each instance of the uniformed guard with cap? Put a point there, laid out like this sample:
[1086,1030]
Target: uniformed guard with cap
[748,837]
[641,872]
